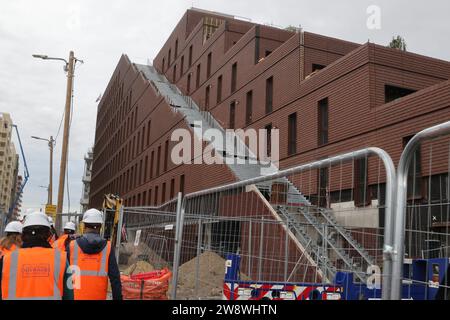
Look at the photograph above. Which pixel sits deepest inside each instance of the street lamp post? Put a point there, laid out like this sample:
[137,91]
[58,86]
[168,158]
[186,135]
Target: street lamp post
[51,144]
[69,68]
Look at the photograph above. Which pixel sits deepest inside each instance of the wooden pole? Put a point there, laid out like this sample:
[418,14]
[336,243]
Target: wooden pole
[65,142]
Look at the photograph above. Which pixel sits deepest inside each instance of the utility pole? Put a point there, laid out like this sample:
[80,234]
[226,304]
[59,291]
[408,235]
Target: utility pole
[51,143]
[65,142]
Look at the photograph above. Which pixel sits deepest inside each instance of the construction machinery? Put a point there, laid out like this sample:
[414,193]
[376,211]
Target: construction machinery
[112,205]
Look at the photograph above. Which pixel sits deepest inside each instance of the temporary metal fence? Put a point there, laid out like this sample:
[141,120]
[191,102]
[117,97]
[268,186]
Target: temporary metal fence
[346,213]
[149,241]
[301,224]
[422,213]
[298,224]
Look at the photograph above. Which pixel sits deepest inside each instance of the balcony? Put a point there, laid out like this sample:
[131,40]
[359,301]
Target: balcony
[87,177]
[84,201]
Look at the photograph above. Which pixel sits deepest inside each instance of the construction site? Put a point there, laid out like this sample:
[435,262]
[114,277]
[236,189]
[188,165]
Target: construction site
[243,161]
[343,113]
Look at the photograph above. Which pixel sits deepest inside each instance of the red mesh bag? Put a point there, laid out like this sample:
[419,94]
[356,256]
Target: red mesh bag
[146,286]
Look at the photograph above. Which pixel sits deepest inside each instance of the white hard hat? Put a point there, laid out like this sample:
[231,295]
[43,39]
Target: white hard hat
[50,220]
[93,216]
[69,226]
[36,219]
[14,227]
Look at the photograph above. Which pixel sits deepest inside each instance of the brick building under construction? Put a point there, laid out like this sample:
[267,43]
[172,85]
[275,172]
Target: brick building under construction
[326,96]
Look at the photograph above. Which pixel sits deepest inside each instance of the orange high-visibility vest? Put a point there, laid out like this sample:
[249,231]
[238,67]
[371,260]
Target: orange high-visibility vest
[33,274]
[4,251]
[60,242]
[93,277]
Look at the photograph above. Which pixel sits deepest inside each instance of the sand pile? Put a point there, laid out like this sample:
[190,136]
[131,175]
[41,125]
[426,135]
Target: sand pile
[211,275]
[138,267]
[142,253]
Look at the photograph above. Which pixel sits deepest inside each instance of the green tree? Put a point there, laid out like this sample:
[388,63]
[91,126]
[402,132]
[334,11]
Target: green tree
[291,28]
[398,43]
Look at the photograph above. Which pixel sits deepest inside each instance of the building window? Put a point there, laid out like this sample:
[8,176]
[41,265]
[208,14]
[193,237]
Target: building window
[392,93]
[181,66]
[143,138]
[268,129]
[269,95]
[322,186]
[197,81]
[182,184]
[317,67]
[149,201]
[176,48]
[207,90]
[163,65]
[323,122]
[188,89]
[155,197]
[360,183]
[292,134]
[208,66]
[138,200]
[172,189]
[148,132]
[163,193]
[170,58]
[174,76]
[146,169]
[233,77]
[190,56]
[158,161]
[232,114]
[414,190]
[166,155]
[151,164]
[249,107]
[140,172]
[219,89]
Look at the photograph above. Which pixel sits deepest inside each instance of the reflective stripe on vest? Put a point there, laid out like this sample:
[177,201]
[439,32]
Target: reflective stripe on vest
[60,242]
[12,285]
[100,273]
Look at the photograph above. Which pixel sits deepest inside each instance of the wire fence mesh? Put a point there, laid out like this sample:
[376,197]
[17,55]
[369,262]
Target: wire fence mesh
[427,221]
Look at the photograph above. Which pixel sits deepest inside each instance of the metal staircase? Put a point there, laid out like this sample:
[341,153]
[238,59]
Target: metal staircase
[323,223]
[297,205]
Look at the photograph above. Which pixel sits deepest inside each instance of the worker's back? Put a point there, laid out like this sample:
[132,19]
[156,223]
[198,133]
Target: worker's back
[33,273]
[91,254]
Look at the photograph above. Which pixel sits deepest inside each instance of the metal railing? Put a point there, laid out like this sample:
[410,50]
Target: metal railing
[204,204]
[398,249]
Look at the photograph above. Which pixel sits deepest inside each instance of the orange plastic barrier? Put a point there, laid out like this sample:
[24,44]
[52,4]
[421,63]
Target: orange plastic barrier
[146,286]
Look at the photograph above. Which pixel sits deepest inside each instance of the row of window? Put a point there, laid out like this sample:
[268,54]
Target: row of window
[153,196]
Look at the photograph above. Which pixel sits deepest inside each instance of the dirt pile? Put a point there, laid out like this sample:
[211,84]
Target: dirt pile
[211,275]
[142,252]
[138,267]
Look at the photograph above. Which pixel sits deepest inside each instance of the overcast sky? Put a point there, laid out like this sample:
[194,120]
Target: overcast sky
[33,91]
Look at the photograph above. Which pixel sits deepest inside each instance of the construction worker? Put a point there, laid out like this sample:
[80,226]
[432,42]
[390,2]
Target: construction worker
[53,230]
[96,261]
[69,232]
[13,238]
[36,271]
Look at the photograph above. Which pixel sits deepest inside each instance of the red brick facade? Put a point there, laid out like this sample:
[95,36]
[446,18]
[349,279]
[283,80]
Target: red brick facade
[134,125]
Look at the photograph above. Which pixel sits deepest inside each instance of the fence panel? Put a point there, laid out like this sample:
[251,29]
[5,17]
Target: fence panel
[148,238]
[422,223]
[303,224]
